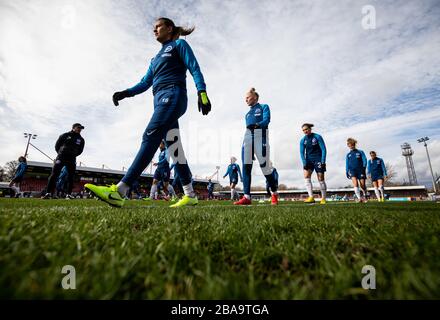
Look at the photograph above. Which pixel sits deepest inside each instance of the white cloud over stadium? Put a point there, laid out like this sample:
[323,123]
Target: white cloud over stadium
[311,61]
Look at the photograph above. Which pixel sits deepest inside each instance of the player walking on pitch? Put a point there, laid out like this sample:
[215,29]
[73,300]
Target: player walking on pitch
[313,155]
[68,146]
[256,143]
[18,176]
[355,165]
[377,171]
[162,173]
[167,75]
[233,172]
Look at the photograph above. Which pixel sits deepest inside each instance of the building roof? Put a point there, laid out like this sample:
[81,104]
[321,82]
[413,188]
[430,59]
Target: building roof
[101,170]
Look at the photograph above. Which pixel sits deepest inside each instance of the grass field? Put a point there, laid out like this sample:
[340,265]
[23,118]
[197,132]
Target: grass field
[217,251]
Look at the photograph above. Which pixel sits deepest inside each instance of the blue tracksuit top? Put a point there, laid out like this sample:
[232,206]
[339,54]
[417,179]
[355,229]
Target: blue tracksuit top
[62,178]
[355,160]
[258,114]
[163,159]
[233,171]
[21,169]
[376,167]
[210,186]
[169,67]
[312,148]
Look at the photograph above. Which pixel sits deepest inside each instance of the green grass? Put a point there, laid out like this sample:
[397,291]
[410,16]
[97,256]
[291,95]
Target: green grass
[217,251]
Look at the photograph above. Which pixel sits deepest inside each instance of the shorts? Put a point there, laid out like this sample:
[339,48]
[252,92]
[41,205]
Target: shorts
[233,181]
[314,165]
[357,173]
[17,180]
[376,177]
[162,175]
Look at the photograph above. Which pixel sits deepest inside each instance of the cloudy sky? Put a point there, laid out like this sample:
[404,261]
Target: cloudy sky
[323,62]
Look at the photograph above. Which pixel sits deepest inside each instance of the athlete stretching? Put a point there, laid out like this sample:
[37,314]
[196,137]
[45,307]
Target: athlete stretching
[167,76]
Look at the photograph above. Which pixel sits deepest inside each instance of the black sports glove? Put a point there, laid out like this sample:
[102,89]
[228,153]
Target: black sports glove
[305,167]
[253,126]
[204,103]
[118,96]
[323,166]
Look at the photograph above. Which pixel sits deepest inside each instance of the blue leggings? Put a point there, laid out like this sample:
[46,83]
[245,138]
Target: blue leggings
[170,104]
[256,144]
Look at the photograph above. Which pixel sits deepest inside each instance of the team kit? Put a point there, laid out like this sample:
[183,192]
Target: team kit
[167,77]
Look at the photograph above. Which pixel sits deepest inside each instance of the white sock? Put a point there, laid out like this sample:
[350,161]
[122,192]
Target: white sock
[153,191]
[247,196]
[122,188]
[232,194]
[376,191]
[323,186]
[188,190]
[171,190]
[309,186]
[357,192]
[382,191]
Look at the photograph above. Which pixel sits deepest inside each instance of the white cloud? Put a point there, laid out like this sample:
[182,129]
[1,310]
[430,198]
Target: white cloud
[61,61]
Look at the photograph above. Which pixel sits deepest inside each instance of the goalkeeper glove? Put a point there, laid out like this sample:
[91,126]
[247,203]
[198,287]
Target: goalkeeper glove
[118,96]
[204,103]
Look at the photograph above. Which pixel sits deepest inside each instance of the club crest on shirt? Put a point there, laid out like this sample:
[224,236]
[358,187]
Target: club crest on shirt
[168,49]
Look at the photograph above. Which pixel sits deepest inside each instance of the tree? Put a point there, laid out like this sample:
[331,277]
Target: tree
[391,174]
[282,187]
[10,168]
[2,174]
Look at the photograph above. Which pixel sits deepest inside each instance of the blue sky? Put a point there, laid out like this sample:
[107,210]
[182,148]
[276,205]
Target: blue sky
[311,61]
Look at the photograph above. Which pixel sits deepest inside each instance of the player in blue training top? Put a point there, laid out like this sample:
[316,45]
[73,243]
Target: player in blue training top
[377,172]
[210,188]
[313,154]
[18,176]
[167,76]
[61,185]
[256,144]
[355,165]
[176,184]
[233,172]
[161,174]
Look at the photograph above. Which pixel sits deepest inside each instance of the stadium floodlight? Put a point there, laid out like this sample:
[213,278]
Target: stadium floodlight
[423,140]
[28,136]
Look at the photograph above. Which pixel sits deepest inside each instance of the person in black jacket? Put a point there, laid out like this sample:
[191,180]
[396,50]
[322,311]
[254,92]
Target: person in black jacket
[68,146]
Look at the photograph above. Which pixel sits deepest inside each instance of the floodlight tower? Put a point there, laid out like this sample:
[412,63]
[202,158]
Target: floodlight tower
[424,139]
[28,136]
[407,152]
